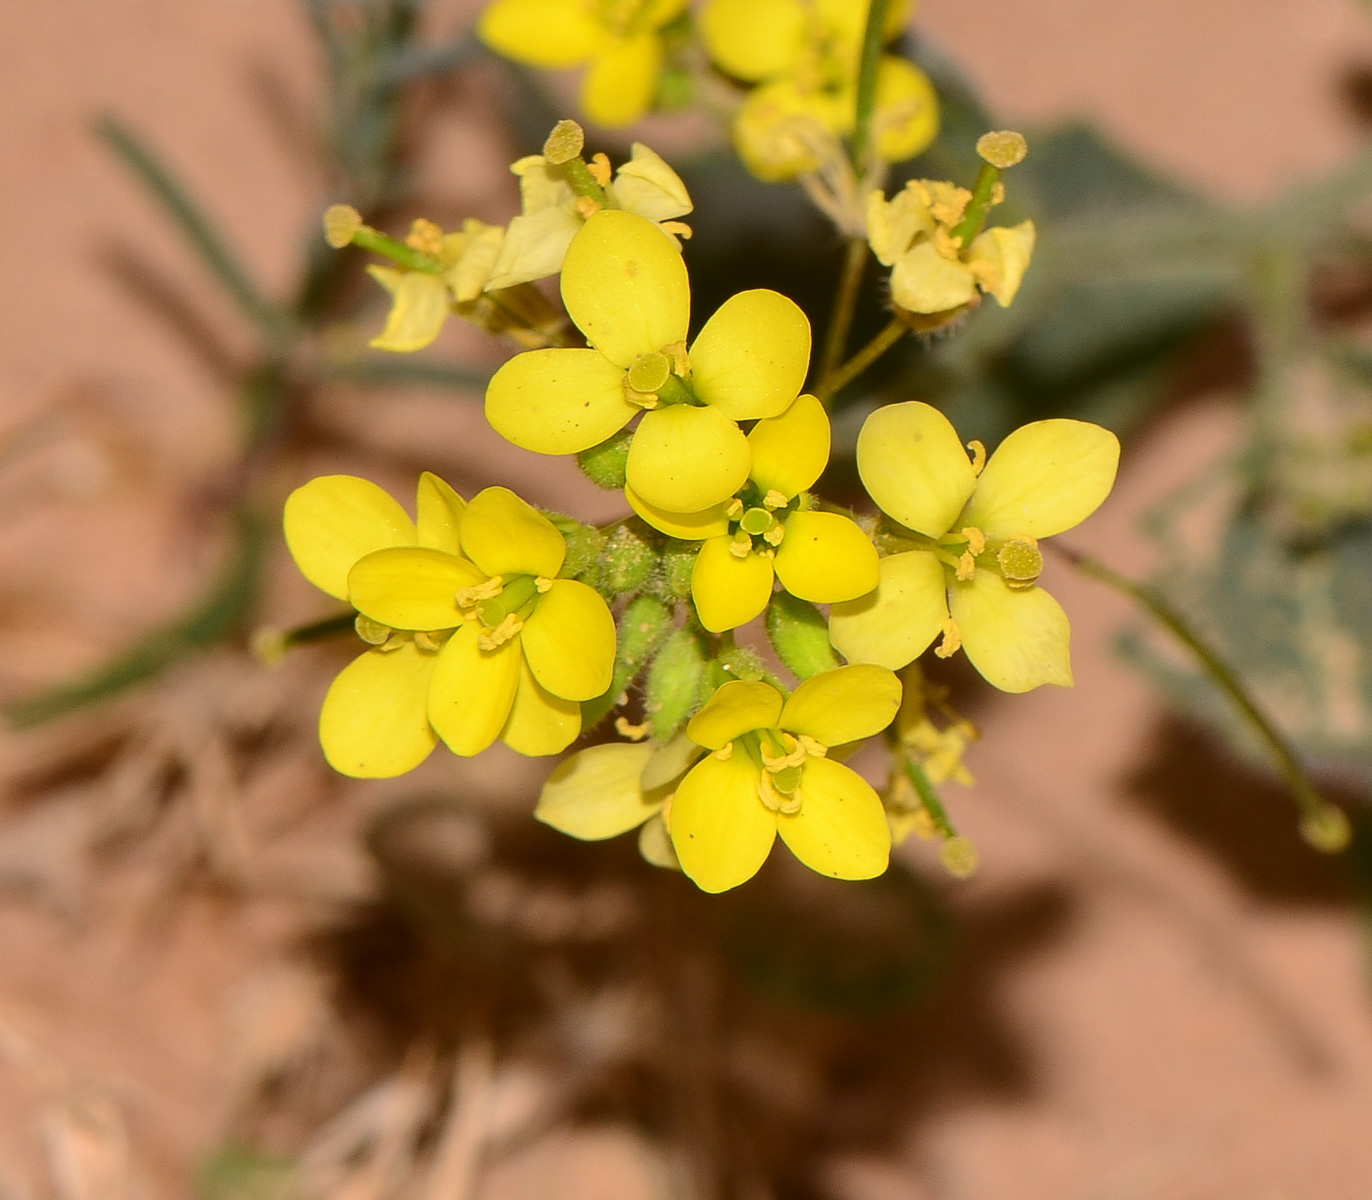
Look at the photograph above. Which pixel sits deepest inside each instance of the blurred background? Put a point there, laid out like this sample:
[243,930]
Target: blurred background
[227,973]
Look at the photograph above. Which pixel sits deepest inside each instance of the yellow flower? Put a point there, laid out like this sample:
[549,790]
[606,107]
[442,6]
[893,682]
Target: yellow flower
[767,530]
[620,40]
[969,559]
[932,272]
[536,241]
[625,287]
[375,722]
[804,59]
[519,648]
[770,773]
[421,302]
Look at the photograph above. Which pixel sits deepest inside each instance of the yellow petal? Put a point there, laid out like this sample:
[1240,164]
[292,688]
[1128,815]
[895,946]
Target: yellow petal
[647,186]
[472,690]
[534,247]
[1017,639]
[504,535]
[481,245]
[595,794]
[655,844]
[893,225]
[751,358]
[411,587]
[543,185]
[914,466]
[684,459]
[657,13]
[826,558]
[895,624]
[334,520]
[690,527]
[791,451]
[439,510]
[670,762]
[625,286]
[543,33]
[729,591]
[621,83]
[736,708]
[753,39]
[925,282]
[539,722]
[374,723]
[569,640]
[847,19]
[1000,257]
[841,828]
[843,705]
[420,304]
[1045,477]
[907,116]
[720,829]
[558,401]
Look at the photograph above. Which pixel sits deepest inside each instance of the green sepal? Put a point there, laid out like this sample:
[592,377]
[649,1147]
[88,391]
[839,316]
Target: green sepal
[674,682]
[642,628]
[584,545]
[800,635]
[604,465]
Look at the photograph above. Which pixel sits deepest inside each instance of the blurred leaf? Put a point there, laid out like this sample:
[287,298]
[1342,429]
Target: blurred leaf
[240,1172]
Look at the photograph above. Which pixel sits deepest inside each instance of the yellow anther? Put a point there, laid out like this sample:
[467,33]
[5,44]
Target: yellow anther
[491,639]
[774,798]
[341,222]
[978,458]
[775,499]
[645,400]
[678,228]
[976,540]
[681,361]
[469,597]
[599,167]
[543,584]
[946,201]
[725,752]
[812,748]
[946,244]
[1003,148]
[1020,561]
[432,643]
[564,143]
[952,639]
[774,535]
[735,509]
[792,757]
[588,207]
[634,733]
[372,632]
[426,237]
[967,567]
[997,193]
[741,547]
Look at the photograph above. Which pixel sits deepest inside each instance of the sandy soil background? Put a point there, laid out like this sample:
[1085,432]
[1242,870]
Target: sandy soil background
[1162,993]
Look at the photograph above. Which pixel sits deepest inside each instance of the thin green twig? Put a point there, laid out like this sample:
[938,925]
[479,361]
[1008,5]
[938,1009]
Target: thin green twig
[864,358]
[929,797]
[845,305]
[868,65]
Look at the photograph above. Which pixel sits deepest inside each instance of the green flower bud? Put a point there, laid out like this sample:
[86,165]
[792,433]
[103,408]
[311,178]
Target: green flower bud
[604,464]
[626,561]
[800,635]
[674,682]
[642,628]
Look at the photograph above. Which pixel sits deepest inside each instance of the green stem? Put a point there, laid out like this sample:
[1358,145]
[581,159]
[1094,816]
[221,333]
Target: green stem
[397,251]
[928,797]
[872,38]
[845,304]
[829,386]
[1322,824]
[979,206]
[319,631]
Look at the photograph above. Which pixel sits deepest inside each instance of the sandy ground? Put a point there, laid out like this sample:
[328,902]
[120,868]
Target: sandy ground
[1161,993]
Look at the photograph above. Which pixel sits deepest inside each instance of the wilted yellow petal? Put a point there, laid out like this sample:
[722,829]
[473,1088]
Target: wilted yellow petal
[374,723]
[670,761]
[826,558]
[420,304]
[690,527]
[729,591]
[751,358]
[841,828]
[914,466]
[558,401]
[780,131]
[621,83]
[1000,257]
[481,246]
[439,511]
[720,829]
[791,451]
[625,286]
[684,459]
[1045,477]
[893,225]
[1017,639]
[647,186]
[472,690]
[736,708]
[906,119]
[504,535]
[843,705]
[596,793]
[334,520]
[753,39]
[411,587]
[569,640]
[539,722]
[923,281]
[543,33]
[534,247]
[895,624]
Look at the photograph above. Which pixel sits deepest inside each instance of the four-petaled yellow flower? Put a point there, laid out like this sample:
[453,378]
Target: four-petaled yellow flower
[803,55]
[625,286]
[770,774]
[969,559]
[621,40]
[474,636]
[767,532]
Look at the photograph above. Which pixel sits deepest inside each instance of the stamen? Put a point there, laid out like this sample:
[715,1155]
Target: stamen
[775,499]
[543,584]
[469,597]
[725,752]
[634,733]
[430,643]
[741,547]
[978,458]
[952,640]
[491,639]
[812,748]
[967,567]
[677,227]
[426,237]
[599,167]
[976,540]
[734,509]
[774,798]
[588,207]
[372,632]
[774,536]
